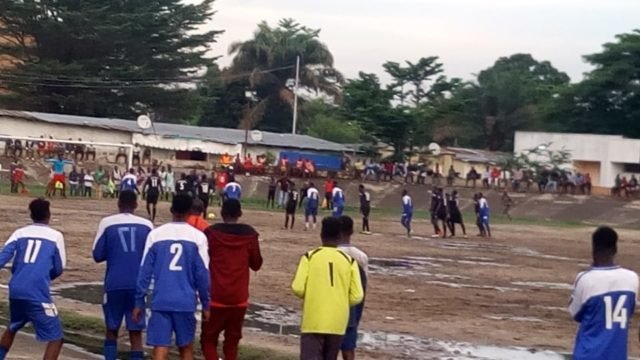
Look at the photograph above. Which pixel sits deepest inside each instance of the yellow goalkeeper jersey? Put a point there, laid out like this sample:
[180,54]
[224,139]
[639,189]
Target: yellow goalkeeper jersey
[328,280]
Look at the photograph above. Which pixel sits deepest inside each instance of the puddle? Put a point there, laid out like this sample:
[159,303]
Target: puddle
[278,320]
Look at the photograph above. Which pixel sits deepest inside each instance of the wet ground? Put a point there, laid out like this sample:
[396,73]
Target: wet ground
[496,299]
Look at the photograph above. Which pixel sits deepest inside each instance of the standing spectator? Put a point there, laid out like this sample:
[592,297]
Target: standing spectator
[271,194]
[42,147]
[69,148]
[17,151]
[349,343]
[79,151]
[170,181]
[234,250]
[328,193]
[237,165]
[9,148]
[518,177]
[74,182]
[122,153]
[30,149]
[99,177]
[91,153]
[388,171]
[136,155]
[116,176]
[146,155]
[309,169]
[88,184]
[587,183]
[495,177]
[324,323]
[291,206]
[451,176]
[284,183]
[248,164]
[299,168]
[486,178]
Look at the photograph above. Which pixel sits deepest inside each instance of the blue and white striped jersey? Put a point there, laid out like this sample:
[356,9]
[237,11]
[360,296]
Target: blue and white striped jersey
[233,190]
[338,196]
[407,205]
[176,257]
[120,241]
[313,196]
[39,256]
[603,302]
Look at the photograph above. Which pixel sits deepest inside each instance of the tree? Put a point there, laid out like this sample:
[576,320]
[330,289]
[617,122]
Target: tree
[608,99]
[223,102]
[270,58]
[326,121]
[416,82]
[101,58]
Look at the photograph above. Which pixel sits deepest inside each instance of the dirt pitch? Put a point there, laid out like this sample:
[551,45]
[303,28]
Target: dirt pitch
[509,291]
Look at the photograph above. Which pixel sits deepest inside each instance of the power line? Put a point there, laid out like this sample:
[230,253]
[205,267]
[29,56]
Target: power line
[91,83]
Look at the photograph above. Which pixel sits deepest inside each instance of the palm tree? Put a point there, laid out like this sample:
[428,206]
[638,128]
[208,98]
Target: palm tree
[270,58]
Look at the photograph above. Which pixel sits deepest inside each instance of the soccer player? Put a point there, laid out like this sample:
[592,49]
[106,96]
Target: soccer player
[170,180]
[455,215]
[433,211]
[176,257]
[365,209]
[349,343]
[271,193]
[234,250]
[38,255]
[407,211]
[338,200]
[204,191]
[153,190]
[182,185]
[603,302]
[129,182]
[311,206]
[291,206]
[483,205]
[120,241]
[232,190]
[58,174]
[326,273]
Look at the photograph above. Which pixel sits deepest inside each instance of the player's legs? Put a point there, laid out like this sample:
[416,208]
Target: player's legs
[211,333]
[160,353]
[332,345]
[286,220]
[349,343]
[6,342]
[46,323]
[452,226]
[443,220]
[487,228]
[293,219]
[233,332]
[184,325]
[312,346]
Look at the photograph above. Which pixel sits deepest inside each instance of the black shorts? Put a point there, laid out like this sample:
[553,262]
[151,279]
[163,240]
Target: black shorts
[152,197]
[365,211]
[291,210]
[455,217]
[204,199]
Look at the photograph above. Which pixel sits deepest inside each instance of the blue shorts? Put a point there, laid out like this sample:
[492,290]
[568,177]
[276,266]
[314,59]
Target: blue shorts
[484,220]
[406,218]
[43,316]
[119,304]
[311,211]
[163,324]
[337,211]
[350,340]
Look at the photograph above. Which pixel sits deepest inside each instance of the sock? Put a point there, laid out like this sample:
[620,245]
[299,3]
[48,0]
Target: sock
[110,349]
[136,355]
[306,225]
[3,352]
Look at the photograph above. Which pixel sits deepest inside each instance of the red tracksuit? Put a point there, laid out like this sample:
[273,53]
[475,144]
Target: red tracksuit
[234,250]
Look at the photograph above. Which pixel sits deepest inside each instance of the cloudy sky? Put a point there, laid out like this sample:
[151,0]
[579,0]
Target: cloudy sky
[468,35]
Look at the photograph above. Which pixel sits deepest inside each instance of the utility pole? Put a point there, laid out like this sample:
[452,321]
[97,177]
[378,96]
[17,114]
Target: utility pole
[295,96]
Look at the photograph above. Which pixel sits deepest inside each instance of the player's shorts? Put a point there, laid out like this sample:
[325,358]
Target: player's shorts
[311,211]
[163,324]
[406,218]
[204,199]
[455,217]
[119,304]
[350,340]
[484,219]
[291,210]
[43,316]
[58,178]
[365,211]
[337,211]
[152,197]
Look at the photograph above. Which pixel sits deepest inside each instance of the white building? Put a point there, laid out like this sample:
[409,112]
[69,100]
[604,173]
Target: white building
[602,156]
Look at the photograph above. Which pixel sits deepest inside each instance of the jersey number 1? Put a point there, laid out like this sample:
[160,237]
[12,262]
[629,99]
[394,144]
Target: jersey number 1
[617,314]
[33,248]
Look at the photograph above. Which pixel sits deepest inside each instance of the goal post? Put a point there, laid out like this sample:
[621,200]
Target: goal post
[128,147]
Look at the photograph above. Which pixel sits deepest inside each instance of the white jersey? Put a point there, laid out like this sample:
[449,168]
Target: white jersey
[313,194]
[358,255]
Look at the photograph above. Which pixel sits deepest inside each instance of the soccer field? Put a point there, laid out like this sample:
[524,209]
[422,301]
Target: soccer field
[427,298]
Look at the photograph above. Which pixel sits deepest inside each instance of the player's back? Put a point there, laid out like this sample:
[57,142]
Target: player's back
[233,190]
[177,257]
[407,204]
[338,196]
[314,197]
[603,303]
[120,241]
[39,256]
[129,182]
[153,184]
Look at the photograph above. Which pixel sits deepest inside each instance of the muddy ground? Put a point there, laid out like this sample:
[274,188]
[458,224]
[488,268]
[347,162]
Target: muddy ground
[509,291]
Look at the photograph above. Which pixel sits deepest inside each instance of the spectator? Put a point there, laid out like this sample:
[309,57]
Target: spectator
[69,147]
[284,183]
[91,153]
[79,151]
[552,182]
[17,151]
[283,165]
[225,159]
[122,153]
[146,155]
[74,182]
[299,168]
[42,147]
[237,165]
[30,149]
[624,186]
[324,323]
[261,164]
[486,178]
[329,184]
[116,176]
[451,176]
[9,149]
[98,176]
[388,171]
[369,170]
[587,183]
[518,176]
[136,155]
[81,182]
[579,179]
[422,174]
[472,176]
[495,177]
[88,185]
[271,194]
[309,169]
[248,164]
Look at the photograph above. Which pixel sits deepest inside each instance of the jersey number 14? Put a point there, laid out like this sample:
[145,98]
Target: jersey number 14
[617,314]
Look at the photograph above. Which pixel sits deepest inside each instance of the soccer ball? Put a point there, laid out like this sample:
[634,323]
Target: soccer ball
[211,216]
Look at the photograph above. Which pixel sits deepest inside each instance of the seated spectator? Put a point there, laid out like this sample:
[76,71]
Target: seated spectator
[42,147]
[17,151]
[122,153]
[472,176]
[283,165]
[79,151]
[8,147]
[309,168]
[225,159]
[248,164]
[299,171]
[91,153]
[146,155]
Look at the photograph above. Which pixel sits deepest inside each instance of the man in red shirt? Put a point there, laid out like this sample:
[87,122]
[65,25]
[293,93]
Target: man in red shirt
[233,250]
[221,181]
[328,192]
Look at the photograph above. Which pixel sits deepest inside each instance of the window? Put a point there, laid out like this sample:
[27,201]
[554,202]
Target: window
[631,168]
[191,155]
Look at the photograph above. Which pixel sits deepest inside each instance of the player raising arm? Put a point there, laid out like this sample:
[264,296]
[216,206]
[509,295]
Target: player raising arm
[120,241]
[603,302]
[38,256]
[176,257]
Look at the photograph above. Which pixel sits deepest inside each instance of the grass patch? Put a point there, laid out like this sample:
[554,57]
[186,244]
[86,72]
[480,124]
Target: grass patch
[87,332]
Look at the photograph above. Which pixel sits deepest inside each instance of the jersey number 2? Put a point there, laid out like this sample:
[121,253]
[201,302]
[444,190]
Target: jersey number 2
[33,248]
[617,314]
[176,250]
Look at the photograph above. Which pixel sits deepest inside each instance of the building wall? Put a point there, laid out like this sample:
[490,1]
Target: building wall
[610,151]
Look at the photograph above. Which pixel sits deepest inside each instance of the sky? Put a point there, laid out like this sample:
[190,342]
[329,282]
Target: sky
[467,35]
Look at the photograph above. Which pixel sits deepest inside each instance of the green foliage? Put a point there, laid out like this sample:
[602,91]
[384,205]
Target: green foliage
[335,129]
[101,58]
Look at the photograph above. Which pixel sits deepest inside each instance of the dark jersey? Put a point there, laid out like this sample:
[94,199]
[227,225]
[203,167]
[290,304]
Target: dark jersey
[284,184]
[365,200]
[153,184]
[191,182]
[182,186]
[272,187]
[292,201]
[203,189]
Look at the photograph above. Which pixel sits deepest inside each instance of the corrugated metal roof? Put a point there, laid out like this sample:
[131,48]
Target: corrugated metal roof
[219,135]
[476,156]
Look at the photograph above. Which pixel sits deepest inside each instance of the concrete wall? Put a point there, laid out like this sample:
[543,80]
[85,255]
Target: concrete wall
[611,151]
